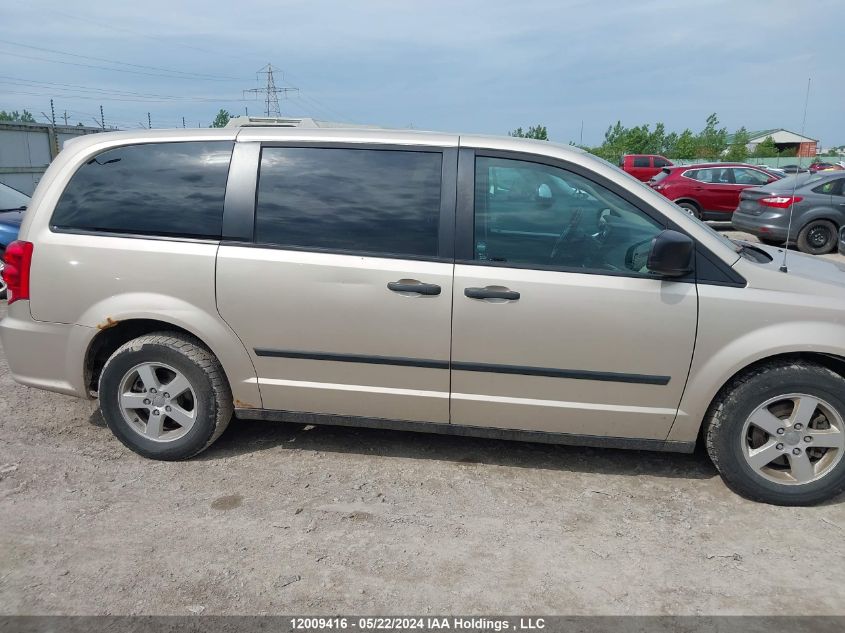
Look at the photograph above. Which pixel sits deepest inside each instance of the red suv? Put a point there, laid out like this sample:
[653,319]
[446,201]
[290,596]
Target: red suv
[644,166]
[710,191]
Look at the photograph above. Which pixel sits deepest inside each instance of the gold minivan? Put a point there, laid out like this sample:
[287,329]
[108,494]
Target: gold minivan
[432,282]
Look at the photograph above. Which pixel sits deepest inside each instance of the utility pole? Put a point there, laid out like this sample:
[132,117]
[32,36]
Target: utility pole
[271,92]
[149,122]
[102,119]
[65,117]
[183,122]
[54,140]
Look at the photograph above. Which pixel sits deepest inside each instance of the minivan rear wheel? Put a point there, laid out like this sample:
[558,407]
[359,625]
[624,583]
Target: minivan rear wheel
[165,396]
[777,433]
[817,238]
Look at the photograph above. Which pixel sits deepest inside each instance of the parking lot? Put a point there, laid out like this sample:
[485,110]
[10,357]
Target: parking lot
[278,518]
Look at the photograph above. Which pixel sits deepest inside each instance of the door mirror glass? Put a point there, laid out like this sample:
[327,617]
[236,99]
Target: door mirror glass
[671,254]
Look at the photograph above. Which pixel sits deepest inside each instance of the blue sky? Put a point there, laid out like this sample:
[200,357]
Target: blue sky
[465,66]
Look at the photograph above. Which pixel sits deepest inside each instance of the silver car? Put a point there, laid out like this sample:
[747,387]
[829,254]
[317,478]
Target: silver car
[464,285]
[815,202]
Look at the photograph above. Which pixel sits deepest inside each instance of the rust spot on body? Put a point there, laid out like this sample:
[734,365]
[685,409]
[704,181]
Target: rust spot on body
[243,405]
[110,322]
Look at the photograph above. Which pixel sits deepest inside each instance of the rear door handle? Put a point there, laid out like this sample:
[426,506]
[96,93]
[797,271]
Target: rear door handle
[414,286]
[491,293]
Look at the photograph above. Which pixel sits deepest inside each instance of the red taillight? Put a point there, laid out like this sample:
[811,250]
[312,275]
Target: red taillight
[780,202]
[18,259]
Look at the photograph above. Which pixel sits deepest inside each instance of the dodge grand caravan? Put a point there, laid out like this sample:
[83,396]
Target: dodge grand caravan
[453,284]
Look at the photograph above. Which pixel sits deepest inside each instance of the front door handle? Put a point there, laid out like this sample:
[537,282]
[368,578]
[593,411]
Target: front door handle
[414,286]
[491,293]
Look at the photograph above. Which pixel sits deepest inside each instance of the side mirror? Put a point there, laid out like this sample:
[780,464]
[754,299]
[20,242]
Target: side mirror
[671,254]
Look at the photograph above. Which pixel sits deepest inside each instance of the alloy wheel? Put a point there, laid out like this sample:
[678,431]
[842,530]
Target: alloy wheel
[157,402]
[793,439]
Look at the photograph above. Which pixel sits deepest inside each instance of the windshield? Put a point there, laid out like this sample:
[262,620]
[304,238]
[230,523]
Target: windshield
[731,244]
[12,198]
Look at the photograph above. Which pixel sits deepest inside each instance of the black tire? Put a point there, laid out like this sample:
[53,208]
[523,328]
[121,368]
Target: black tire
[726,418]
[817,237]
[213,403]
[692,208]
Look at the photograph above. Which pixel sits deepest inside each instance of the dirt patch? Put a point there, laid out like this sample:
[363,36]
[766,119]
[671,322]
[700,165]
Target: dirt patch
[337,520]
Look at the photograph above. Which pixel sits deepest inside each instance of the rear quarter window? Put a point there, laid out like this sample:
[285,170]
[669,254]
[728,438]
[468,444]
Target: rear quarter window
[162,189]
[661,176]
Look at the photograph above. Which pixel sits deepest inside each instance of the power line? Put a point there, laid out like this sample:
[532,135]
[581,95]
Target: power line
[177,73]
[271,92]
[88,20]
[70,94]
[49,85]
[117,70]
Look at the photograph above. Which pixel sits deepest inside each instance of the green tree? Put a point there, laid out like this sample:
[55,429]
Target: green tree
[657,139]
[670,144]
[538,132]
[686,145]
[14,115]
[712,140]
[221,119]
[738,149]
[766,149]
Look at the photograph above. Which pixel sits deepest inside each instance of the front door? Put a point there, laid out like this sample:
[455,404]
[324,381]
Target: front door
[557,324]
[344,295]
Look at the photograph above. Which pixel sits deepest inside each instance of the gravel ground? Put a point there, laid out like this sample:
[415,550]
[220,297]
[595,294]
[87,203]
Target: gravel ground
[278,518]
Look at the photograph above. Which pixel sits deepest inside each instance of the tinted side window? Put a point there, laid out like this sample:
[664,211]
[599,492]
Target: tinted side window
[831,187]
[538,215]
[716,176]
[642,161]
[167,189]
[750,177]
[661,162]
[370,201]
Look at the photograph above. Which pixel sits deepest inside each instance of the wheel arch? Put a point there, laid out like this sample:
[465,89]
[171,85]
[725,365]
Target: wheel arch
[688,200]
[113,333]
[829,360]
[814,215]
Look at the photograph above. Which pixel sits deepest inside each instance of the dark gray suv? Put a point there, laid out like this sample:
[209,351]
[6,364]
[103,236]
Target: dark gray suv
[818,211]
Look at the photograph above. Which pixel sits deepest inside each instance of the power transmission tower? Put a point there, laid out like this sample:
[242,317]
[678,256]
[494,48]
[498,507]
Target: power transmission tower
[271,92]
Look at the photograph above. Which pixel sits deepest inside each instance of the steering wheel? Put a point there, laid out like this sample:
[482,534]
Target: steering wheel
[605,227]
[568,233]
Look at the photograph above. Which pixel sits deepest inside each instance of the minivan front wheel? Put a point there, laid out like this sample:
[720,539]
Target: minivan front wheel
[165,396]
[777,433]
[817,238]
